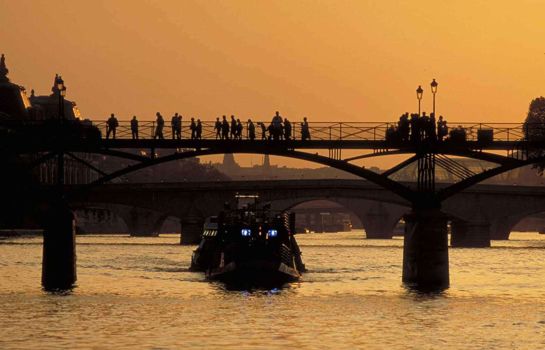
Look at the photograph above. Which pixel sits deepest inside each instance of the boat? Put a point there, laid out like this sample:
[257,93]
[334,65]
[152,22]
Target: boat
[248,244]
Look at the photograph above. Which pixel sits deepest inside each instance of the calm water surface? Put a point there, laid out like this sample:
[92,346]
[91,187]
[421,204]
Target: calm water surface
[136,293]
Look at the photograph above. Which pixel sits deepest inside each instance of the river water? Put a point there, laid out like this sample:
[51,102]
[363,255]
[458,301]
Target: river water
[136,293]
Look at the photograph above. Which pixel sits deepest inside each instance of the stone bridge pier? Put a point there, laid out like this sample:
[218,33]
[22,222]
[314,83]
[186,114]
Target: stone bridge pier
[192,229]
[500,227]
[379,219]
[469,234]
[143,222]
[194,212]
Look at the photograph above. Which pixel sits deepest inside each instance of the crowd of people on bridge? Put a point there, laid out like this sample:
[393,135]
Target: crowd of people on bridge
[413,128]
[417,128]
[278,129]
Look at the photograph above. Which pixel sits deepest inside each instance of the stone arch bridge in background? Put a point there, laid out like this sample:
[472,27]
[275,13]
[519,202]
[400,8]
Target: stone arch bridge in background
[477,215]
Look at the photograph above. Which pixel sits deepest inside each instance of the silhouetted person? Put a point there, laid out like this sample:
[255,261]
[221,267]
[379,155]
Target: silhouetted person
[179,125]
[251,130]
[238,132]
[198,130]
[403,127]
[270,130]
[111,126]
[287,129]
[224,129]
[415,131]
[134,128]
[423,128]
[391,134]
[193,128]
[305,131]
[233,127]
[173,126]
[432,127]
[160,125]
[442,128]
[263,131]
[277,126]
[217,127]
[176,126]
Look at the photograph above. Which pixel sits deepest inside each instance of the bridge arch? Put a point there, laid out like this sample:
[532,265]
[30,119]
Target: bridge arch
[397,188]
[135,220]
[501,228]
[377,218]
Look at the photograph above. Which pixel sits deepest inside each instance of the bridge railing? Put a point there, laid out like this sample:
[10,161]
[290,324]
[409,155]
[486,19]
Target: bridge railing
[324,131]
[500,131]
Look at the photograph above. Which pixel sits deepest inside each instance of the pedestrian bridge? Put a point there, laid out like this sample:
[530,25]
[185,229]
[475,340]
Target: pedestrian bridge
[425,249]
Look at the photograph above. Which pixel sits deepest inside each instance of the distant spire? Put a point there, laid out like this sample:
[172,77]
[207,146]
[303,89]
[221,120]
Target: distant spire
[266,161]
[229,161]
[3,70]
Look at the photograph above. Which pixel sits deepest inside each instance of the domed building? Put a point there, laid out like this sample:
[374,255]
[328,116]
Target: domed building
[47,106]
[14,103]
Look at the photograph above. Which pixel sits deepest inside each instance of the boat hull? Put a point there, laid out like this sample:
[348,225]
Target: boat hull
[255,273]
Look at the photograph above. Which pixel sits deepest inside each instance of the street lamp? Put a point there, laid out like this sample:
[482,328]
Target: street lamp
[62,92]
[434,91]
[419,93]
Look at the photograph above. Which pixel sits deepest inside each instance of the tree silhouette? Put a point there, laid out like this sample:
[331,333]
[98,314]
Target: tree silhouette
[534,129]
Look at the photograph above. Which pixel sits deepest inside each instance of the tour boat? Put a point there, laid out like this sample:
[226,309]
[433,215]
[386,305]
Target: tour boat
[249,246]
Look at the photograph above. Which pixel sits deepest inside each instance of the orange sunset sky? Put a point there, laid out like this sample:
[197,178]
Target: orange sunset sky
[328,60]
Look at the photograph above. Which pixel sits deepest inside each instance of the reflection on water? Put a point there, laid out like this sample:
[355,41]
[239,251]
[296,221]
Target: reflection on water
[138,293]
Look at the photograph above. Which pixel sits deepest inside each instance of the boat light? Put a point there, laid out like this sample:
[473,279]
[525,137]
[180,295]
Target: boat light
[272,233]
[246,232]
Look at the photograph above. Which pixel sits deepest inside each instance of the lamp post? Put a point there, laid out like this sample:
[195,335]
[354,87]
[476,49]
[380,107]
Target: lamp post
[419,93]
[60,158]
[62,92]
[434,91]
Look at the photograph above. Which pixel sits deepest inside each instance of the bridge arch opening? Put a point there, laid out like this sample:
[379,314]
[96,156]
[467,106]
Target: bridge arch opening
[375,219]
[324,215]
[529,225]
[170,224]
[113,218]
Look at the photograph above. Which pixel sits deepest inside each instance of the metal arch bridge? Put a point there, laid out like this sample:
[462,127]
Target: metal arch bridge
[67,138]
[425,249]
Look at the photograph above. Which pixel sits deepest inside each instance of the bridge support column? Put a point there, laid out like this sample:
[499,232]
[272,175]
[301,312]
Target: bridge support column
[377,222]
[425,250]
[378,227]
[192,229]
[501,228]
[470,234]
[59,250]
[144,223]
